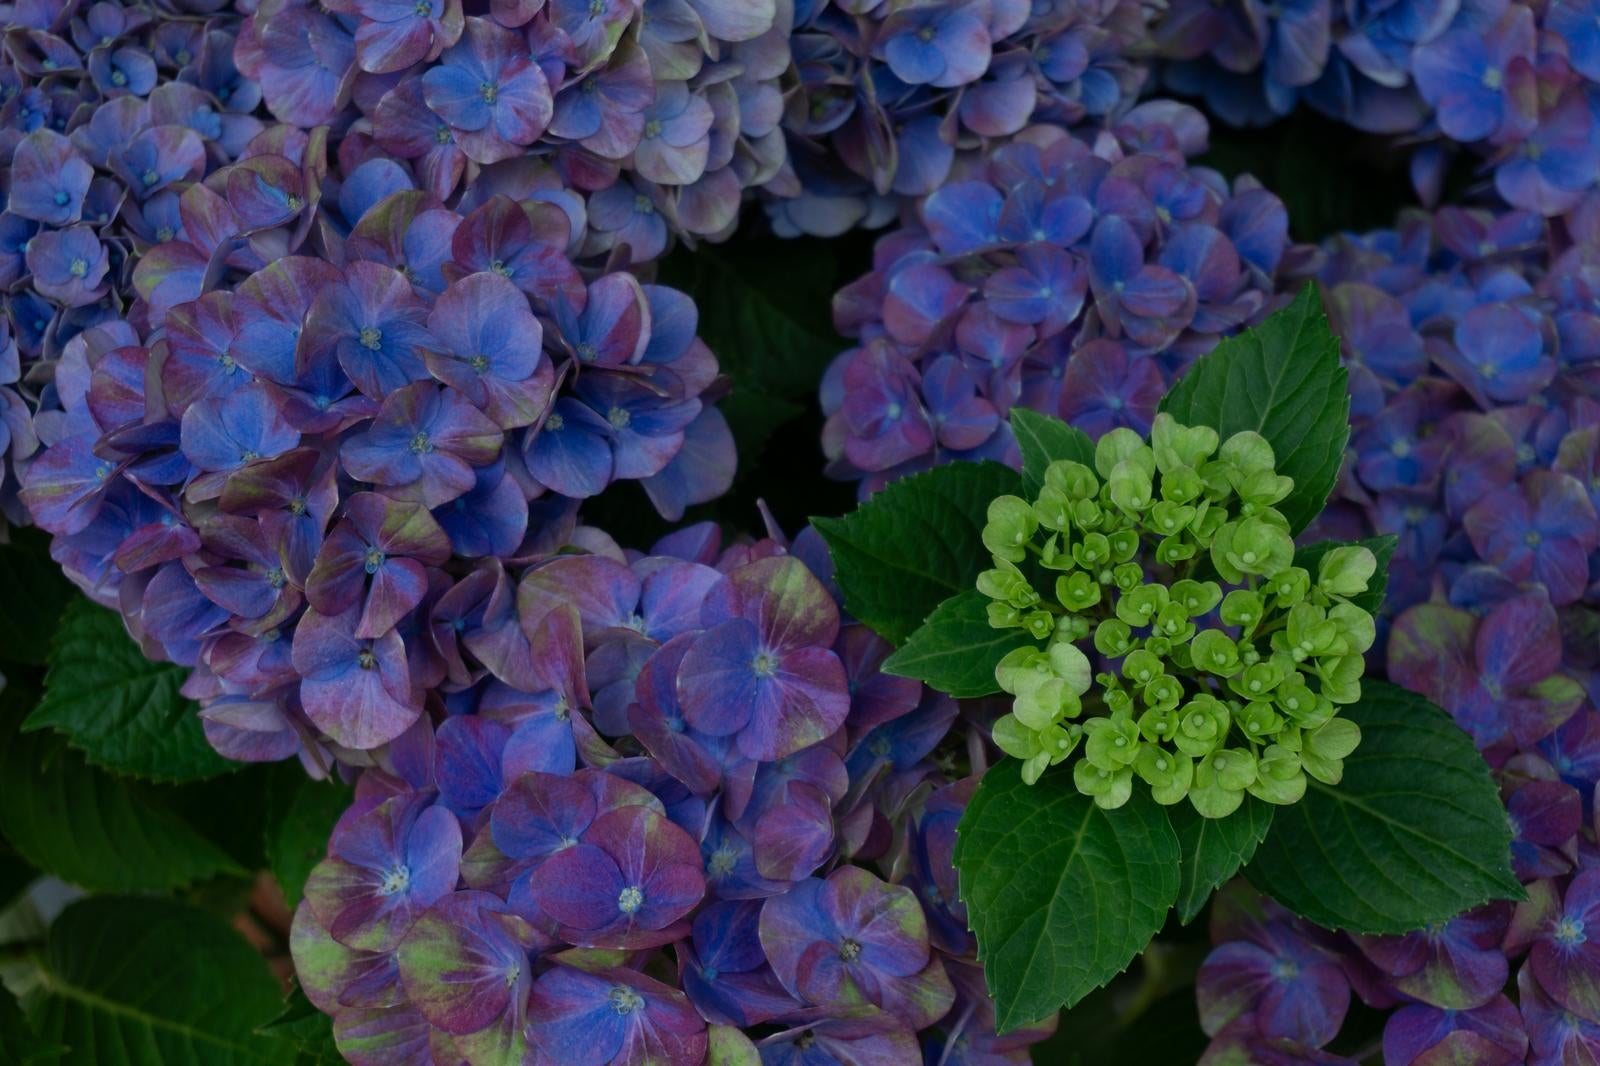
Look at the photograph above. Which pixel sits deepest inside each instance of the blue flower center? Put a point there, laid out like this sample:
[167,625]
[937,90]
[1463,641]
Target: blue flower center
[489,92]
[1493,77]
[441,135]
[849,950]
[586,352]
[366,660]
[1569,932]
[643,206]
[61,198]
[276,577]
[79,268]
[630,899]
[423,8]
[555,423]
[479,363]
[498,266]
[371,338]
[149,177]
[375,559]
[619,417]
[118,78]
[297,506]
[710,973]
[1532,538]
[625,1000]
[420,444]
[597,8]
[722,861]
[1286,969]
[765,664]
[652,129]
[395,880]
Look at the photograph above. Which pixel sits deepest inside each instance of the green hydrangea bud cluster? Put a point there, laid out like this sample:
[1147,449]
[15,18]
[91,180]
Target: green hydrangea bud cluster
[1225,662]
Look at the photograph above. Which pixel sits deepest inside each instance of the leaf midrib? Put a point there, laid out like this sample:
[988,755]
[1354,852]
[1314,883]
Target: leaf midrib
[59,986]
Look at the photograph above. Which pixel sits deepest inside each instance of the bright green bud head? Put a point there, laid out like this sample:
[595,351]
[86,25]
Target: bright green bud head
[1093,552]
[1356,628]
[1039,624]
[1072,667]
[1255,546]
[1278,776]
[1086,514]
[1196,597]
[1124,544]
[1046,704]
[1004,616]
[1302,706]
[1247,452]
[1163,692]
[1139,607]
[1173,550]
[1208,521]
[1071,628]
[1156,644]
[1180,447]
[1131,487]
[1159,724]
[1168,773]
[1014,738]
[1341,677]
[1168,519]
[1111,743]
[1180,487]
[1202,725]
[1112,638]
[1324,749]
[1073,480]
[1055,555]
[1288,587]
[1077,591]
[1007,584]
[1241,607]
[1120,444]
[1127,576]
[1141,668]
[1011,525]
[1109,789]
[1053,509]
[1261,489]
[1022,670]
[1215,652]
[1258,680]
[1173,623]
[1232,768]
[1259,721]
[1346,571]
[1309,633]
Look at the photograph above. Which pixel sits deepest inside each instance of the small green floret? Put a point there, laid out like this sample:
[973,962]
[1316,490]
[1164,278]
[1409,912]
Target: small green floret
[1222,664]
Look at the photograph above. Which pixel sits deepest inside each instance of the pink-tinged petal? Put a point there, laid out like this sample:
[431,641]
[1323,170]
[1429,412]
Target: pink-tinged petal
[792,840]
[579,887]
[604,592]
[465,961]
[789,606]
[541,813]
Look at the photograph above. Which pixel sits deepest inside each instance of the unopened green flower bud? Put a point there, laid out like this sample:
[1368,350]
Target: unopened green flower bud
[1173,623]
[1014,738]
[1073,480]
[1039,624]
[1004,616]
[1159,724]
[1196,597]
[1092,552]
[1180,447]
[1124,544]
[1131,487]
[1278,777]
[1341,677]
[1173,550]
[1141,668]
[1346,571]
[1077,591]
[1308,633]
[1163,692]
[1220,780]
[1324,749]
[1257,681]
[1120,444]
[1168,519]
[1248,451]
[1208,520]
[1056,555]
[1112,638]
[1023,669]
[1111,743]
[1109,789]
[1169,774]
[1007,584]
[1356,627]
[1086,514]
[1259,721]
[1118,700]
[1071,666]
[1302,706]
[1139,607]
[1181,486]
[1215,653]
[1053,509]
[1046,704]
[1071,628]
[1251,546]
[1127,576]
[1156,644]
[1242,608]
[1202,725]
[1288,587]
[1260,489]
[1011,525]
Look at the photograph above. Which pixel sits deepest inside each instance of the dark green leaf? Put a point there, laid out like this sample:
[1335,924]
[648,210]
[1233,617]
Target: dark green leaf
[1061,894]
[1283,380]
[916,543]
[1043,440]
[88,827]
[305,1028]
[300,818]
[139,981]
[955,650]
[35,595]
[1214,849]
[19,1044]
[1414,834]
[121,710]
[1382,547]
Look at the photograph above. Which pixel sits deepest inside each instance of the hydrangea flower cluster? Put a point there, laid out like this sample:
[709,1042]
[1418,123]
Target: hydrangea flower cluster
[1070,277]
[895,99]
[659,112]
[1208,694]
[293,471]
[106,110]
[1476,440]
[695,812]
[1515,82]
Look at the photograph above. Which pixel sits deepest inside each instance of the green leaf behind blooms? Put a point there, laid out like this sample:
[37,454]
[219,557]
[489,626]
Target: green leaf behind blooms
[956,650]
[1415,832]
[1214,849]
[1043,440]
[904,551]
[35,595]
[121,710]
[1283,380]
[1061,894]
[128,981]
[301,812]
